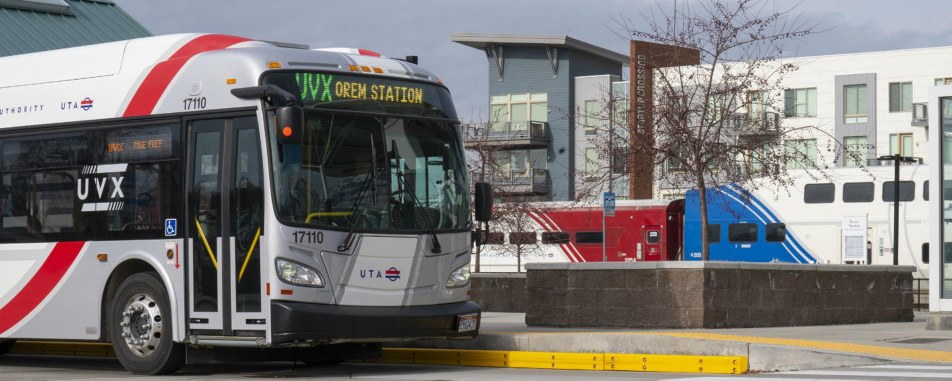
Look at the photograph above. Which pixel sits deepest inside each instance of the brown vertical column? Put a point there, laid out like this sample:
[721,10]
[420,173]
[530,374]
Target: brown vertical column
[645,58]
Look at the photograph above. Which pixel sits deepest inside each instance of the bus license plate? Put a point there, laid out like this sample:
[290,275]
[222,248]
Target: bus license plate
[467,322]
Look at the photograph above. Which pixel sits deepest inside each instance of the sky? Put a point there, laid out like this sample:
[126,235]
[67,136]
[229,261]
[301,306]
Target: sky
[399,28]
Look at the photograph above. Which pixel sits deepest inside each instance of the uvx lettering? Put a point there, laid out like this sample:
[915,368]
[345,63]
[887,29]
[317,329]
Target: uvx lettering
[101,185]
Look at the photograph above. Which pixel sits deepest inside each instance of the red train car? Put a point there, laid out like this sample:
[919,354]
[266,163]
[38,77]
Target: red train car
[560,232]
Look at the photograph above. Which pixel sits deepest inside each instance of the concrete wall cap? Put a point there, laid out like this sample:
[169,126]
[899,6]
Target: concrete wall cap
[498,275]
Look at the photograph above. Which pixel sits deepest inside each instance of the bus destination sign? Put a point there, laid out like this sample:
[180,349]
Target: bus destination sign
[321,88]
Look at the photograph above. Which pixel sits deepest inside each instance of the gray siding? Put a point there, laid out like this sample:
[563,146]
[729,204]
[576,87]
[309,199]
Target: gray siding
[867,129]
[527,70]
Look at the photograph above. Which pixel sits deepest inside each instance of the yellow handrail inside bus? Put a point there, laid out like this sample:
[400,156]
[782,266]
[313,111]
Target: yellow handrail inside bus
[248,256]
[205,241]
[327,214]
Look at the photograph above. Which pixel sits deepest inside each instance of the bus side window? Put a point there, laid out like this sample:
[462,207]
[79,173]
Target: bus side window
[925,253]
[858,192]
[494,238]
[522,238]
[818,193]
[776,232]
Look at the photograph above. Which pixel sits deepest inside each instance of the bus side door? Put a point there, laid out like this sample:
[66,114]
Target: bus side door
[225,210]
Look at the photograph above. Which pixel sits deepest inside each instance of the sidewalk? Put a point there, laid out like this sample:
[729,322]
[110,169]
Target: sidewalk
[766,349]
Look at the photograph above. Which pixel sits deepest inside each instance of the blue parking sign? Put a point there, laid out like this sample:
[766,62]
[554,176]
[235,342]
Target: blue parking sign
[609,204]
[171,228]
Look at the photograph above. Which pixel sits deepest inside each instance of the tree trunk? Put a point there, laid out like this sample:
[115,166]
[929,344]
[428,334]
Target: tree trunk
[702,206]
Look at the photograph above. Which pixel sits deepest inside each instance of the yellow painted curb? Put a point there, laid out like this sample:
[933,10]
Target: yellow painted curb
[567,360]
[63,349]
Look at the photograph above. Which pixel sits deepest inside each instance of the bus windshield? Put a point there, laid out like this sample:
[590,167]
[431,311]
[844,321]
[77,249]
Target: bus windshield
[372,173]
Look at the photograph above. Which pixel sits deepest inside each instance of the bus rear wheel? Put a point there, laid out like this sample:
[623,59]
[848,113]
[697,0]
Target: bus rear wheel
[6,346]
[140,327]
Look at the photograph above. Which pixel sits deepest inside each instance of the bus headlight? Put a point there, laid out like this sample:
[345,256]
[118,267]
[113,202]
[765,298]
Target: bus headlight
[459,277]
[297,274]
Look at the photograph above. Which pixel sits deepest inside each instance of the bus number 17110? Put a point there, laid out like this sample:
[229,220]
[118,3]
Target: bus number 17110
[302,236]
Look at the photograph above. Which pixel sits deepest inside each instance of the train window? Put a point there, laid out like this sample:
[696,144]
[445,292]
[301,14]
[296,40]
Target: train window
[907,191]
[713,233]
[555,237]
[925,190]
[818,193]
[494,238]
[742,232]
[858,192]
[588,237]
[775,232]
[652,236]
[522,238]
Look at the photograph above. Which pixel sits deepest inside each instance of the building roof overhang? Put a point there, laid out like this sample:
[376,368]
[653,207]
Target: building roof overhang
[482,41]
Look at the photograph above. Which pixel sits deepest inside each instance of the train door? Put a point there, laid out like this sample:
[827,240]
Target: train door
[224,227]
[654,244]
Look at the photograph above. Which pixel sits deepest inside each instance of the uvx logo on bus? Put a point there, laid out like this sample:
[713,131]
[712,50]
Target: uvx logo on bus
[101,185]
[392,274]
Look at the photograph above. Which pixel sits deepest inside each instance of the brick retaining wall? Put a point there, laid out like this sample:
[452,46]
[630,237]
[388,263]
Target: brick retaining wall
[715,294]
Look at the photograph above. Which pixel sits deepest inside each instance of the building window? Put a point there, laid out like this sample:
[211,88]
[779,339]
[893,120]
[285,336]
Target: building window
[801,153]
[512,112]
[818,193]
[591,117]
[854,104]
[800,103]
[900,96]
[943,81]
[591,160]
[901,144]
[757,105]
[716,107]
[856,149]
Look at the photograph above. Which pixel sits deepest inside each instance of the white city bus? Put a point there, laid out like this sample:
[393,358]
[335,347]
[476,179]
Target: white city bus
[178,193]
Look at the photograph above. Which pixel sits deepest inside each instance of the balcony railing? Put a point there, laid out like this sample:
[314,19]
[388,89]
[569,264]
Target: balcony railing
[528,133]
[755,124]
[526,181]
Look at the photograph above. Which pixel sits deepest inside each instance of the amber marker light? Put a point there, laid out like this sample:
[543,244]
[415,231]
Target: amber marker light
[353,67]
[231,81]
[274,65]
[102,257]
[378,70]
[287,292]
[365,69]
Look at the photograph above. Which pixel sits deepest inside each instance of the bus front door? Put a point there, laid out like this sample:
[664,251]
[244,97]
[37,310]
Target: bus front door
[225,210]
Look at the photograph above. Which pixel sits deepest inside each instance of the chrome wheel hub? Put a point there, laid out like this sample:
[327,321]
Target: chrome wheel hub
[141,325]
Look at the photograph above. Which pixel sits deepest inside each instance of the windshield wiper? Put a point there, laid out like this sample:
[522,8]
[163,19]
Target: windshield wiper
[406,189]
[370,180]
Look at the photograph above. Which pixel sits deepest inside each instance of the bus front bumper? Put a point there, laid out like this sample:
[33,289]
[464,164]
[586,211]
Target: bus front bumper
[307,322]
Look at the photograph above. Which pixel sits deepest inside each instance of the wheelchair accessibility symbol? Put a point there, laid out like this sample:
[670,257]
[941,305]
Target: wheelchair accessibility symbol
[170,227]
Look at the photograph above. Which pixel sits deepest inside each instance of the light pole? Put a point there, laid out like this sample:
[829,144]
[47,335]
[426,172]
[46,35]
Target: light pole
[897,159]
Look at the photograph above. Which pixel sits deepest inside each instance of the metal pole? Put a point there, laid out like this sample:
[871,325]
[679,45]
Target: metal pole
[896,159]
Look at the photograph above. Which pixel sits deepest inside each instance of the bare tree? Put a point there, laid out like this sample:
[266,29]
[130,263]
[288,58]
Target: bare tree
[720,122]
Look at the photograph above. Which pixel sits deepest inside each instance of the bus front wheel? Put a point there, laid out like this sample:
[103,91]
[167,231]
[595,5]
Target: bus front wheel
[6,346]
[140,327]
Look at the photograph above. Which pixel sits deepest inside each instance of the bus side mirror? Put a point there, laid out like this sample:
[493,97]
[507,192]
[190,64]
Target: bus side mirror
[289,125]
[483,202]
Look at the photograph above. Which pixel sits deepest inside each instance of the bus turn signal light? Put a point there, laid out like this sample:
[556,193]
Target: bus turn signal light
[102,257]
[231,81]
[287,131]
[274,65]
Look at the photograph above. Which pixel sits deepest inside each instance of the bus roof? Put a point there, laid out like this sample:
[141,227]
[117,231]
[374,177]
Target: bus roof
[158,75]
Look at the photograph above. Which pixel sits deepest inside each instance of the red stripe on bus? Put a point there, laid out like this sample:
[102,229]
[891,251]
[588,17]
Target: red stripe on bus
[158,80]
[40,286]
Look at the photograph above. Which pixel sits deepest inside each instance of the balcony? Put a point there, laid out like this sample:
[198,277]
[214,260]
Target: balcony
[507,134]
[920,114]
[531,181]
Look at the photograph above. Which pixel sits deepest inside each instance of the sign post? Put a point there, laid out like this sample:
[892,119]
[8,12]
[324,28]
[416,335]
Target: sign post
[608,210]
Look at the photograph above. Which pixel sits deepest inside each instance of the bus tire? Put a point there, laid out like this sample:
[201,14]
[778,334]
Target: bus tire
[6,346]
[140,327]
